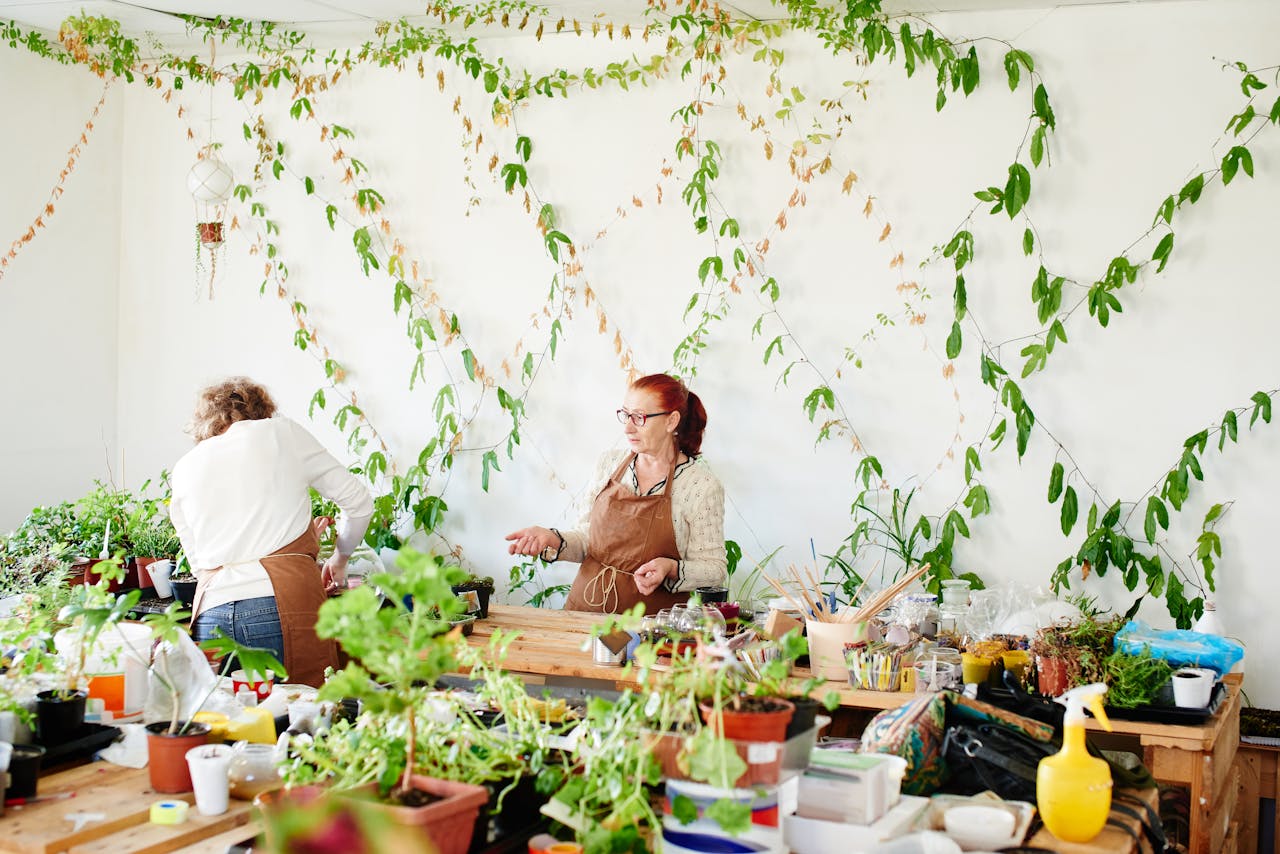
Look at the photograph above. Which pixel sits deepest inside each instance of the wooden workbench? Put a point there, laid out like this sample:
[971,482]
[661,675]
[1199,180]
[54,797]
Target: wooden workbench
[123,798]
[1201,758]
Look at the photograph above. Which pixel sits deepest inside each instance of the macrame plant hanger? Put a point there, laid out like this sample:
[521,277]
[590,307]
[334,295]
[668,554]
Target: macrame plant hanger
[210,182]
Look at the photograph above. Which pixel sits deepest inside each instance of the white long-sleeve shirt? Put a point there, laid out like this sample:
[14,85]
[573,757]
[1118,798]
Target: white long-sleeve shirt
[242,495]
[697,514]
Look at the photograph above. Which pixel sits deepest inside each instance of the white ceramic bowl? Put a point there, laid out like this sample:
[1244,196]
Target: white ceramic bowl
[977,826]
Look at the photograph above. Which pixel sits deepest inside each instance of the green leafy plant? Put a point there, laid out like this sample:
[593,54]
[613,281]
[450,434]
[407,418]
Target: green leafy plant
[395,629]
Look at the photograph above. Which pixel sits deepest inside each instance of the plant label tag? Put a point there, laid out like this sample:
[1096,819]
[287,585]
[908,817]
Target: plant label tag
[761,752]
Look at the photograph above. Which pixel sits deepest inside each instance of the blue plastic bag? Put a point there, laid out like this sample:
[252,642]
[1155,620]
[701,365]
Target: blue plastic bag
[1180,647]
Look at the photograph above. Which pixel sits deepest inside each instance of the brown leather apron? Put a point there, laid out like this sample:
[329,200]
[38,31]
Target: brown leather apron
[627,531]
[295,580]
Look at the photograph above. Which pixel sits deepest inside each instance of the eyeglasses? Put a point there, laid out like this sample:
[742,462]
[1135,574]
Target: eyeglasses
[638,418]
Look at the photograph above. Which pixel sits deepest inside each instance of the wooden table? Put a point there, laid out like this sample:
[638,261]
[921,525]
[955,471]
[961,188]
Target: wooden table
[1259,768]
[1201,758]
[123,797]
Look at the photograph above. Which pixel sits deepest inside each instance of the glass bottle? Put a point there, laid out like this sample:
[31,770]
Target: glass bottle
[252,770]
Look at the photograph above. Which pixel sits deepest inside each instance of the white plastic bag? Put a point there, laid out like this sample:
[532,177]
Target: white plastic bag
[187,670]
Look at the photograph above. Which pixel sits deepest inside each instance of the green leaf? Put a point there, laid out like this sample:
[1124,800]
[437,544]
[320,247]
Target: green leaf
[977,501]
[1157,514]
[1191,191]
[821,396]
[469,362]
[1237,158]
[1166,211]
[1042,108]
[1017,190]
[1228,428]
[961,298]
[734,817]
[1070,510]
[308,185]
[1037,145]
[1011,68]
[997,435]
[776,343]
[524,148]
[330,213]
[1163,248]
[954,341]
[488,461]
[971,463]
[683,809]
[317,401]
[1055,482]
[1261,406]
[1028,242]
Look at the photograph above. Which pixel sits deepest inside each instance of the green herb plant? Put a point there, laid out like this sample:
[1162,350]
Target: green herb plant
[1134,680]
[395,629]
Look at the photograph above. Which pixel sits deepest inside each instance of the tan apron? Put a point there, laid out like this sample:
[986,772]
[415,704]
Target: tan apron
[295,580]
[627,531]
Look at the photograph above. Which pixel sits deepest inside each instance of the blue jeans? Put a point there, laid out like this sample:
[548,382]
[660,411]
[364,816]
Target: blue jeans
[251,622]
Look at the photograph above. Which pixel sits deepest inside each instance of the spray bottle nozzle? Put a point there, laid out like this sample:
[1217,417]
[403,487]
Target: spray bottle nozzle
[1086,695]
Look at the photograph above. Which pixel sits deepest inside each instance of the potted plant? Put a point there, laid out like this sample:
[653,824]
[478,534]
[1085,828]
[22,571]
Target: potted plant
[153,538]
[93,608]
[482,588]
[770,670]
[169,740]
[183,581]
[395,630]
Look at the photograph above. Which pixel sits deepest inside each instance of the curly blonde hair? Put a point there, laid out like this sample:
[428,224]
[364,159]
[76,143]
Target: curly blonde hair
[224,403]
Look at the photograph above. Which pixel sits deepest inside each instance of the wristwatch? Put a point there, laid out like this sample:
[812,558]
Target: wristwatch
[549,554]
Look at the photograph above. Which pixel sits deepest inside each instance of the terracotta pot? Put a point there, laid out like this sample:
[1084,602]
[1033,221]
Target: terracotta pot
[167,756]
[92,577]
[752,726]
[757,737]
[1051,676]
[210,233]
[447,824]
[140,575]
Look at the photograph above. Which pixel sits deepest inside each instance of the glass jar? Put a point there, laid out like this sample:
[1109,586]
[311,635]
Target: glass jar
[955,592]
[252,770]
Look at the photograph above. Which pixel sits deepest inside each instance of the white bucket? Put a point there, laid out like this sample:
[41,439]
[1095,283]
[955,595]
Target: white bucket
[116,665]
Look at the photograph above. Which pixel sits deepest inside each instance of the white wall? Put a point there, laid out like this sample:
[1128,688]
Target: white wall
[1141,99]
[58,297]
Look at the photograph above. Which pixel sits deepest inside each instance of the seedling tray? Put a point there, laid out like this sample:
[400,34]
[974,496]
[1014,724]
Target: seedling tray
[89,740]
[1175,715]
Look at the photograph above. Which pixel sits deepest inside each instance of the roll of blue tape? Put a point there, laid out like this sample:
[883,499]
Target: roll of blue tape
[169,812]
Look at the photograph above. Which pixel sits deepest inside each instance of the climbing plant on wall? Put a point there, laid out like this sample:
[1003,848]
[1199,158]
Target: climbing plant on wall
[280,77]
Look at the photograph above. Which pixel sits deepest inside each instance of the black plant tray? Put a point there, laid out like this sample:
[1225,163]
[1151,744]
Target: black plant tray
[1176,715]
[89,740]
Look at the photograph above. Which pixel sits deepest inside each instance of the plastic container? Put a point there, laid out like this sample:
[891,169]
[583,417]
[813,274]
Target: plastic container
[851,787]
[768,762]
[116,665]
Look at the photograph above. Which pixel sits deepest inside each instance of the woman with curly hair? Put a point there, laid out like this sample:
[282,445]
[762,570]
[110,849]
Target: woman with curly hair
[242,509]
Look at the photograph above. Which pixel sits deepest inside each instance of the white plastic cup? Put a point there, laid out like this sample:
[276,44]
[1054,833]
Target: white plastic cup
[159,571]
[209,764]
[1192,687]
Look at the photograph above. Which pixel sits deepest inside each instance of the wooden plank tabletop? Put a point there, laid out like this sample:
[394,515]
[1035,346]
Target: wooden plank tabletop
[551,643]
[123,797]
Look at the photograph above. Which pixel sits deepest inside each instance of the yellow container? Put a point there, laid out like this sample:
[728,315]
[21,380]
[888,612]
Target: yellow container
[974,668]
[1017,661]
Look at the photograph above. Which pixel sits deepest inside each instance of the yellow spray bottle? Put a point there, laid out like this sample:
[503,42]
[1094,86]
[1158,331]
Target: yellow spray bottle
[1073,789]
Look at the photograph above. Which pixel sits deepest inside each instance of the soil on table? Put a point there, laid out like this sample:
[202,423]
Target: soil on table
[1263,723]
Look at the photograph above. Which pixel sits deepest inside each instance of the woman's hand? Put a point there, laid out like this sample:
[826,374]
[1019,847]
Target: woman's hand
[650,575]
[320,524]
[532,541]
[334,574]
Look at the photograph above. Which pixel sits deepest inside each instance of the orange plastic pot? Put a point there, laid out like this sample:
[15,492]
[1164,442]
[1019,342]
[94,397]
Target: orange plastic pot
[167,756]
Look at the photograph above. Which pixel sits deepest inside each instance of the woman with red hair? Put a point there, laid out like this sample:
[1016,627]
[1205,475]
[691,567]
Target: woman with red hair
[655,529]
